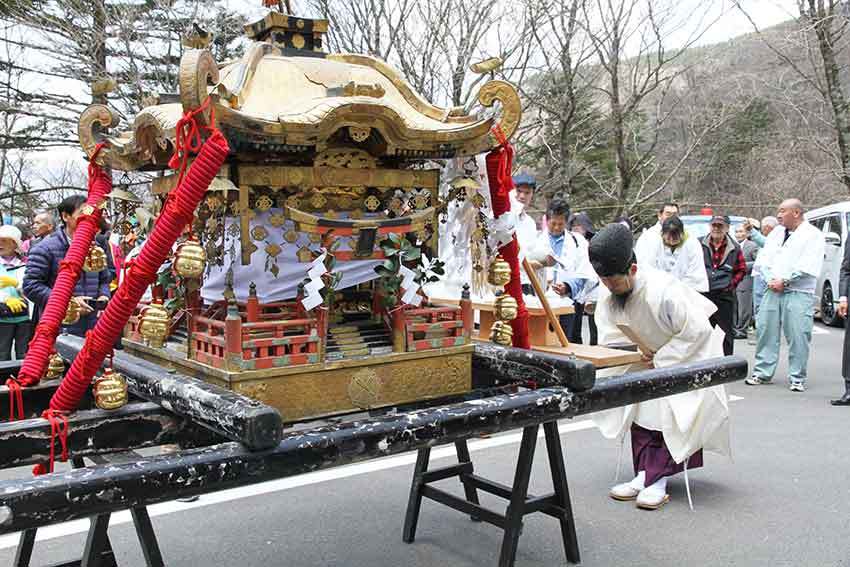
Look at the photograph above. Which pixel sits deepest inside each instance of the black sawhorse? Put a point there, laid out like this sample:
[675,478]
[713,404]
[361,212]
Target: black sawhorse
[98,549]
[556,504]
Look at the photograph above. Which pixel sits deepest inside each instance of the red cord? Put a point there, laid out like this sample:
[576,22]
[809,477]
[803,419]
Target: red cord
[499,165]
[16,400]
[189,139]
[44,337]
[58,428]
[178,211]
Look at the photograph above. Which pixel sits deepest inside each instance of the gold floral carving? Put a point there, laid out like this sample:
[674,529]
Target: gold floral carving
[364,389]
[352,88]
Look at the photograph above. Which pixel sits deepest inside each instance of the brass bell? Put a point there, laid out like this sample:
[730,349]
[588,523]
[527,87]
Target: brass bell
[501,333]
[154,323]
[95,260]
[499,273]
[506,307]
[72,315]
[190,259]
[55,368]
[110,390]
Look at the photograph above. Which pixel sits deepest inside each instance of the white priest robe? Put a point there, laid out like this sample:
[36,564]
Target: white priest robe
[686,262]
[672,319]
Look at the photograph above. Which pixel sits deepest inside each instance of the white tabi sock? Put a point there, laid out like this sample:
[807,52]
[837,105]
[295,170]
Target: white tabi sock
[638,482]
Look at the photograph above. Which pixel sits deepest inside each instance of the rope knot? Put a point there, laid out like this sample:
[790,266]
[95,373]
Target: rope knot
[58,421]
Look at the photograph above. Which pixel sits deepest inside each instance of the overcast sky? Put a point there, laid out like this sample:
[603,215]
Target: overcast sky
[730,22]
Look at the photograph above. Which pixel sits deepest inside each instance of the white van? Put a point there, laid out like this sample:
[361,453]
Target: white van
[833,220]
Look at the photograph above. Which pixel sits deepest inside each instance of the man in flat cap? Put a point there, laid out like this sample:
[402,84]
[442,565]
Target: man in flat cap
[670,321]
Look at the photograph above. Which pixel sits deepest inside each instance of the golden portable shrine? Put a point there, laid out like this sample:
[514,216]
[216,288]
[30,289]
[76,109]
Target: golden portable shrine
[330,195]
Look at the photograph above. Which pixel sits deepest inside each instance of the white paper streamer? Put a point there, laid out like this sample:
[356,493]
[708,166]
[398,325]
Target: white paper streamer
[312,289]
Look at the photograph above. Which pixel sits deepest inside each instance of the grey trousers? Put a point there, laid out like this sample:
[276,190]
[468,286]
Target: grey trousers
[744,313]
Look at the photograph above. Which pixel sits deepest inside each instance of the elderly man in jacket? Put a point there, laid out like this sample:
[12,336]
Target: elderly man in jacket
[43,266]
[725,267]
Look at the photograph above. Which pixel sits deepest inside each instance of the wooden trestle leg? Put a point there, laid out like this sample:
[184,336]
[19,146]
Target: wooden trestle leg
[556,504]
[98,549]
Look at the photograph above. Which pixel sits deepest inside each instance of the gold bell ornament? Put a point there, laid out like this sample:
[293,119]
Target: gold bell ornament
[501,333]
[506,307]
[95,260]
[499,273]
[190,259]
[72,314]
[110,390]
[154,323]
[56,367]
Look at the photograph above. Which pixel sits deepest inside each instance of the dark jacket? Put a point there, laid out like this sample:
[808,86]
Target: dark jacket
[42,269]
[722,277]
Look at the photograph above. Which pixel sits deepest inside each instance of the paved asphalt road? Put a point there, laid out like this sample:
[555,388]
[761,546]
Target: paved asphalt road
[785,500]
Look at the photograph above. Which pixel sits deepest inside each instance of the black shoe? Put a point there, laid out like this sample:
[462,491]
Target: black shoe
[842,401]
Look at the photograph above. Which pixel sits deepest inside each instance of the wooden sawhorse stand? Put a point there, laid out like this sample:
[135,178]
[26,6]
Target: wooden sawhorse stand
[556,504]
[98,550]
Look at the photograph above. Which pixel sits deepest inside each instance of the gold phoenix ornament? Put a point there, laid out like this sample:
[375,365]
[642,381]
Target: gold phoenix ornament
[56,367]
[95,260]
[499,273]
[501,333]
[153,324]
[190,259]
[110,390]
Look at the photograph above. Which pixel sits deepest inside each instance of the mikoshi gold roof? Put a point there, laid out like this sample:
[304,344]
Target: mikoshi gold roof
[285,97]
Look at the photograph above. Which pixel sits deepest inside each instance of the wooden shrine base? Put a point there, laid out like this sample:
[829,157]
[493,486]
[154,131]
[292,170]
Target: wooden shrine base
[320,390]
[599,356]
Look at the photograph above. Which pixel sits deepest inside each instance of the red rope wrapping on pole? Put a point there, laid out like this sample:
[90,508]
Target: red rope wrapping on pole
[499,166]
[176,214]
[44,337]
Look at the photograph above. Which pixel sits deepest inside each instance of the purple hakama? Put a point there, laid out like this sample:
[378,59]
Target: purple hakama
[650,454]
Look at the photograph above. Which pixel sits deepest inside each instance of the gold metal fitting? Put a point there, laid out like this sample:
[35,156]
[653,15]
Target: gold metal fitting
[501,333]
[110,390]
[95,260]
[190,260]
[499,273]
[506,307]
[154,323]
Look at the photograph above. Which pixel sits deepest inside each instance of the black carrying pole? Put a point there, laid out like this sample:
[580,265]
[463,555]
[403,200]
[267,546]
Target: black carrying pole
[231,415]
[64,496]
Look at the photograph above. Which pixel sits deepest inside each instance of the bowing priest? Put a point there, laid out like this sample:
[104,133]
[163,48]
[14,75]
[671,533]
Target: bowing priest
[676,252]
[671,321]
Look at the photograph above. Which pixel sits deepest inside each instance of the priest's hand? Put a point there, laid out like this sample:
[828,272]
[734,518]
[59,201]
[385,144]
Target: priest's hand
[647,358]
[777,285]
[560,288]
[842,307]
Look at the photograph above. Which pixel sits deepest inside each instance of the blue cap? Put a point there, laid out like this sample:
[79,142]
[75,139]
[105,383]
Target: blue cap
[524,179]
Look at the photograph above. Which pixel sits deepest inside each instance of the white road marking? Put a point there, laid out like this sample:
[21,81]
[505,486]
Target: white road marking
[81,526]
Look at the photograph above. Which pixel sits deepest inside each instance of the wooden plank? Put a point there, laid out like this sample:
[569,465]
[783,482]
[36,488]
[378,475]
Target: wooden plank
[541,295]
[633,336]
[599,356]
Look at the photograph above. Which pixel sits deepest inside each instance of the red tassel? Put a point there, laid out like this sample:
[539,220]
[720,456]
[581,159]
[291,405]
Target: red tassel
[499,166]
[16,399]
[44,337]
[58,428]
[177,213]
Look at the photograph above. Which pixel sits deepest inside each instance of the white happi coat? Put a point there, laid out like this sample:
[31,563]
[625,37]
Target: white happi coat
[672,319]
[572,262]
[526,235]
[686,263]
[801,256]
[646,240]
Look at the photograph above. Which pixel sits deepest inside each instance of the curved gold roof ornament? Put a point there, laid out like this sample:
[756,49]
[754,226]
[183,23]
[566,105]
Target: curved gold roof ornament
[198,72]
[92,126]
[507,95]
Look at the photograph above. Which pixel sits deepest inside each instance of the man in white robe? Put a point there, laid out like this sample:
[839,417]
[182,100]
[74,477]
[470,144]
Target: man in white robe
[790,263]
[676,252]
[526,226]
[647,239]
[672,321]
